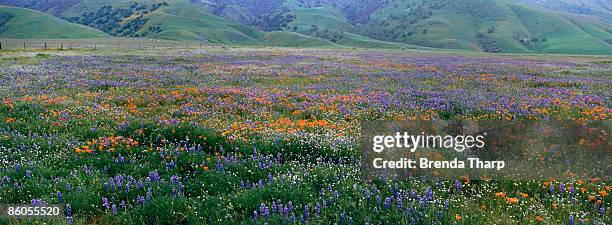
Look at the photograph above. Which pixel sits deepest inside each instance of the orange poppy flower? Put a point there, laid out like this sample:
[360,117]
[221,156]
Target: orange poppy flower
[457,217]
[603,193]
[539,219]
[512,200]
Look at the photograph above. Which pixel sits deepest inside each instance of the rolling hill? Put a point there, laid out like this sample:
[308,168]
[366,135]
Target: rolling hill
[26,23]
[510,26]
[530,26]
[171,20]
[486,25]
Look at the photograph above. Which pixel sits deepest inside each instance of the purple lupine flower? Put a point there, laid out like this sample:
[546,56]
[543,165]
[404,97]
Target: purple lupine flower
[342,217]
[141,200]
[114,209]
[286,211]
[561,188]
[174,179]
[387,202]
[264,210]
[551,189]
[68,210]
[378,200]
[290,206]
[571,220]
[149,194]
[70,220]
[154,176]
[112,183]
[105,203]
[28,173]
[318,209]
[457,185]
[255,215]
[60,197]
[399,203]
[306,212]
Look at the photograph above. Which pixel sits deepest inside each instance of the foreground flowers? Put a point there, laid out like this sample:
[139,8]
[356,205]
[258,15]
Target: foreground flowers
[262,136]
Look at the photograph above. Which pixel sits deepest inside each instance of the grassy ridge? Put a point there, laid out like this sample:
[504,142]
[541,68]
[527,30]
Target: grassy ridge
[494,26]
[476,25]
[25,23]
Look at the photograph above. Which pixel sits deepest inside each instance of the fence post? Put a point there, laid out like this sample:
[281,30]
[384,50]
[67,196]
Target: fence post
[95,46]
[69,45]
[0,45]
[24,45]
[61,46]
[45,45]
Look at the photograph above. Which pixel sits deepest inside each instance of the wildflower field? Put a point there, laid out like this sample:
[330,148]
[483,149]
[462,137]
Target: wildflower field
[270,136]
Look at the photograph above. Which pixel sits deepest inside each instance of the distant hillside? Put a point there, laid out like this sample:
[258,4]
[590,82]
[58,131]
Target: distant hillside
[482,25]
[512,26]
[487,25]
[168,19]
[26,23]
[598,8]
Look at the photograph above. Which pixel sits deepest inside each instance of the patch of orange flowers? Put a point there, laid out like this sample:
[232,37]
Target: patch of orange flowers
[512,200]
[109,144]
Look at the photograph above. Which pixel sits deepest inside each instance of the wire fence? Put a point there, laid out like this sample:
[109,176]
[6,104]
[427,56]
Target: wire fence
[17,44]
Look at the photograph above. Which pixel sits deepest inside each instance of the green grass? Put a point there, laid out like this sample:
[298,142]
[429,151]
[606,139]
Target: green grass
[25,23]
[323,18]
[354,40]
[516,28]
[475,25]
[562,35]
[290,39]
